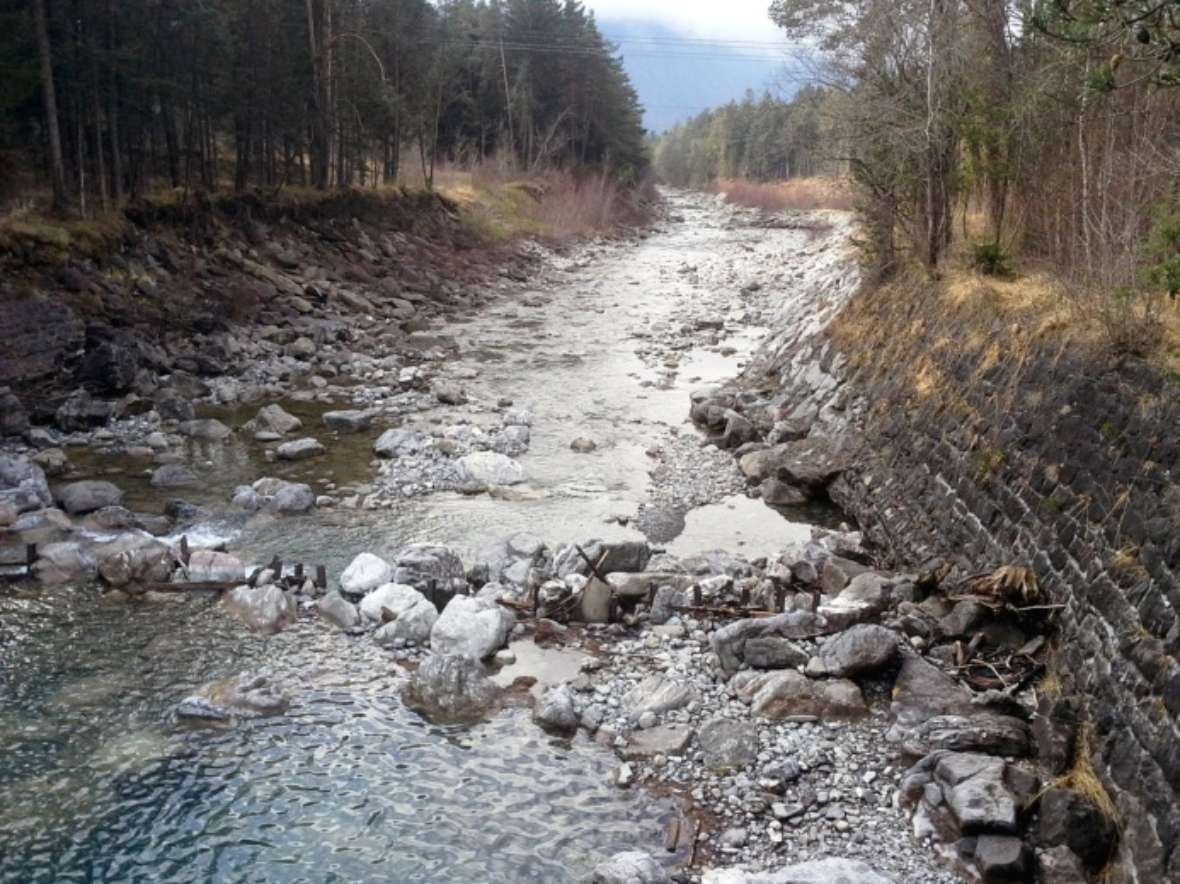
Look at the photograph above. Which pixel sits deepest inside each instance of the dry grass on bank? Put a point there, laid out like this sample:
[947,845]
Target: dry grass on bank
[797,193]
[557,205]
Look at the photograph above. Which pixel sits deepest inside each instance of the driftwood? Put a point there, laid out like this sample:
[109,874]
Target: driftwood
[210,586]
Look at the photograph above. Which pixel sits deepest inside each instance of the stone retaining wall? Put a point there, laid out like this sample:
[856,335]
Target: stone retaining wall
[987,441]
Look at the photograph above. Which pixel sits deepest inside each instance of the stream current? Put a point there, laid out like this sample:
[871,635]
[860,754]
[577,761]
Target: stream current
[96,784]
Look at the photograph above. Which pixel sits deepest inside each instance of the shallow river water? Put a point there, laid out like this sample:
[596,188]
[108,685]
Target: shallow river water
[97,785]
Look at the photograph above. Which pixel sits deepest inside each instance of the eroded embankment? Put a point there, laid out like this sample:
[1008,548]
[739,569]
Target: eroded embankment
[960,424]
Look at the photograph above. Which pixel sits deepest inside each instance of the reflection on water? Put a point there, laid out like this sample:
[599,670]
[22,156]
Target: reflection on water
[97,785]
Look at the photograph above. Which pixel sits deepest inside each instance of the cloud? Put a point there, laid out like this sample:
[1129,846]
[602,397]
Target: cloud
[732,20]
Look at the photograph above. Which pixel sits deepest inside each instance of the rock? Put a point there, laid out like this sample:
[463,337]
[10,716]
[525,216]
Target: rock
[171,408]
[405,614]
[450,688]
[594,604]
[664,604]
[109,368]
[364,574]
[833,870]
[738,431]
[1059,865]
[727,745]
[776,493]
[273,419]
[448,392]
[558,711]
[855,651]
[773,652]
[658,694]
[174,475]
[348,421]
[631,867]
[401,443]
[435,571]
[300,449]
[582,445]
[87,496]
[470,627]
[53,461]
[290,498]
[302,348]
[65,562]
[511,441]
[334,608]
[147,562]
[209,566]
[787,693]
[23,485]
[205,430]
[13,419]
[265,609]
[1069,818]
[82,412]
[729,642]
[1002,859]
[517,417]
[490,468]
[930,711]
[249,695]
[664,739]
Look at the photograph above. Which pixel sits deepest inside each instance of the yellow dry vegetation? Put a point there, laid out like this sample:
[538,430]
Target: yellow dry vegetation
[796,193]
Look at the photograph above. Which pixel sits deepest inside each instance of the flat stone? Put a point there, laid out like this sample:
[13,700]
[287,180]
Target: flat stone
[658,694]
[87,496]
[348,421]
[855,651]
[727,745]
[300,449]
[664,739]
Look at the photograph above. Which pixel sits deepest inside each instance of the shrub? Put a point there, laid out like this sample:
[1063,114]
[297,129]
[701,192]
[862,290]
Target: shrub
[990,259]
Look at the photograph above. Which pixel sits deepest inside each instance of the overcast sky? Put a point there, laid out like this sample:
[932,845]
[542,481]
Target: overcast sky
[720,19]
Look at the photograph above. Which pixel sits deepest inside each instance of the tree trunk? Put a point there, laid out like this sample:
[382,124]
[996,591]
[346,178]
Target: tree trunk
[57,168]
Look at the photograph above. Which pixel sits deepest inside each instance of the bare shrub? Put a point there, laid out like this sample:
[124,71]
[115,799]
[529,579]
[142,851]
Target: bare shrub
[803,194]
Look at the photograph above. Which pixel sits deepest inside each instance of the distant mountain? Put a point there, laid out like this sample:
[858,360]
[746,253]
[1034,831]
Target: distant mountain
[677,77]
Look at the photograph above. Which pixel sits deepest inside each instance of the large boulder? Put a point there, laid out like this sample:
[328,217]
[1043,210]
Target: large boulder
[489,468]
[663,739]
[855,651]
[450,688]
[471,627]
[789,694]
[109,368]
[133,565]
[87,496]
[631,867]
[405,614]
[432,569]
[23,484]
[265,609]
[65,562]
[364,574]
[930,711]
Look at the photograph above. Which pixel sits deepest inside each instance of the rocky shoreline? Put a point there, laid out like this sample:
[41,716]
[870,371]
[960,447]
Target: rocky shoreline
[823,718]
